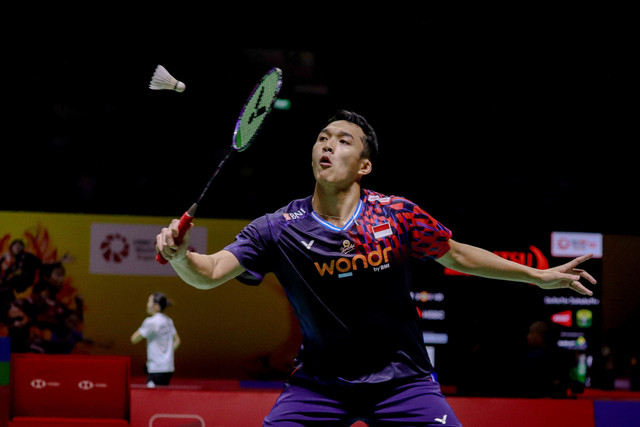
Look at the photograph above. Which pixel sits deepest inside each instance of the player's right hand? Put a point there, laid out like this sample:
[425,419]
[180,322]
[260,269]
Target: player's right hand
[170,244]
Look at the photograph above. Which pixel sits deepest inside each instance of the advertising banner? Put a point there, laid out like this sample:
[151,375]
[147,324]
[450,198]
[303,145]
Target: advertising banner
[129,249]
[571,244]
[79,284]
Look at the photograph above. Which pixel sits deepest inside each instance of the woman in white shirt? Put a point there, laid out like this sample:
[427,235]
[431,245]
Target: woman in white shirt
[162,340]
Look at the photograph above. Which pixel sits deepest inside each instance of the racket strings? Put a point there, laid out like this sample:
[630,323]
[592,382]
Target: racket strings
[257,109]
[250,121]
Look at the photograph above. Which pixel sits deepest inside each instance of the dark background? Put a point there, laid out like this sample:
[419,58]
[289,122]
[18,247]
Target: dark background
[505,126]
[492,128]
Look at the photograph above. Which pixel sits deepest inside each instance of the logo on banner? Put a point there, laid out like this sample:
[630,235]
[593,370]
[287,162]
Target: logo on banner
[130,249]
[579,301]
[85,385]
[570,244]
[39,383]
[572,341]
[432,314]
[564,318]
[424,296]
[584,318]
[534,258]
[115,247]
[89,385]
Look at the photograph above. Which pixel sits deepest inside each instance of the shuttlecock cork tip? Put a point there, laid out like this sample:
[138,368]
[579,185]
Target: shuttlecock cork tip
[162,80]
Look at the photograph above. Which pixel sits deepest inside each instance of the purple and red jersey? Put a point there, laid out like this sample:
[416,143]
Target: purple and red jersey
[349,287]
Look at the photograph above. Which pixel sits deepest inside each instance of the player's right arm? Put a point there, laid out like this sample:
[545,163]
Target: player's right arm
[207,271]
[198,270]
[136,337]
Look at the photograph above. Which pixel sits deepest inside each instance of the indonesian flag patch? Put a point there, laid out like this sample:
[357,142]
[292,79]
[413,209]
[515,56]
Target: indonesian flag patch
[382,230]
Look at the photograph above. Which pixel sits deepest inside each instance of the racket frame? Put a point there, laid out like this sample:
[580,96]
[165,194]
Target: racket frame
[237,145]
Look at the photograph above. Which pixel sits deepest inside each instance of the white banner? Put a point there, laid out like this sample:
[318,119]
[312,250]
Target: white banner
[129,249]
[570,244]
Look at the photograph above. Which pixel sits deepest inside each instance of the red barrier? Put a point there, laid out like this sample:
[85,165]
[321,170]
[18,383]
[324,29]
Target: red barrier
[168,408]
[65,422]
[505,412]
[164,407]
[47,388]
[70,387]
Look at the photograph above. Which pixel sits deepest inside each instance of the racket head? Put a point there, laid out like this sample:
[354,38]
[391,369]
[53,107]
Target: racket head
[256,109]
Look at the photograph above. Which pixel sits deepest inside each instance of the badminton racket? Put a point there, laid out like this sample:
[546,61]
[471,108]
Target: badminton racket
[252,117]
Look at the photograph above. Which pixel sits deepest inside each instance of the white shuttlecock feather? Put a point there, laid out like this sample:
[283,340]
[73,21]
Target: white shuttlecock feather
[162,80]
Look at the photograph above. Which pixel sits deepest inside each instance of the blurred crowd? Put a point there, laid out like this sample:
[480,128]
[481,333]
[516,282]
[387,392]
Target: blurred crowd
[538,368]
[38,312]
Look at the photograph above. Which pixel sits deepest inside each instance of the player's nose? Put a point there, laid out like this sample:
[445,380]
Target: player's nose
[327,147]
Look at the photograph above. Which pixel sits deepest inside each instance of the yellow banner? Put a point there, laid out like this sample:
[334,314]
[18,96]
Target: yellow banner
[234,331]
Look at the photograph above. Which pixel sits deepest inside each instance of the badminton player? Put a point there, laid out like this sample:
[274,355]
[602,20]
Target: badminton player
[342,255]
[162,340]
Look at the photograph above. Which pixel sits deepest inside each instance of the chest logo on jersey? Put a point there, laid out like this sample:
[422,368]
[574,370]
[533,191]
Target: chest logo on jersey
[347,246]
[294,215]
[377,259]
[382,230]
[374,198]
[307,245]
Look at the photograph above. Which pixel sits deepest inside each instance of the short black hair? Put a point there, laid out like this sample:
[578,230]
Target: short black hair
[370,139]
[161,299]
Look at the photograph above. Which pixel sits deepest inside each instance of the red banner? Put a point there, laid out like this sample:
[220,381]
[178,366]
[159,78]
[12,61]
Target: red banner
[70,386]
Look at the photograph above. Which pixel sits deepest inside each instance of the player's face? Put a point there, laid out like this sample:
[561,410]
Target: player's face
[150,305]
[336,155]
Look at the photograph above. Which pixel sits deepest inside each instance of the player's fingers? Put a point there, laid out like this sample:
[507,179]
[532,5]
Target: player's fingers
[586,276]
[161,239]
[159,243]
[175,228]
[166,238]
[578,287]
[579,260]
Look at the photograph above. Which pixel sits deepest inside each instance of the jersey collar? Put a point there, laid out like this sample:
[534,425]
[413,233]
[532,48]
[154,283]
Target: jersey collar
[332,227]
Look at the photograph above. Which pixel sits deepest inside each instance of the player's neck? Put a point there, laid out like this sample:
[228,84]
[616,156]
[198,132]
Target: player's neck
[336,207]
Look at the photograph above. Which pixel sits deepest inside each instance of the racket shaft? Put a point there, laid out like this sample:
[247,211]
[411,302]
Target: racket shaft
[222,162]
[183,226]
[242,138]
[187,217]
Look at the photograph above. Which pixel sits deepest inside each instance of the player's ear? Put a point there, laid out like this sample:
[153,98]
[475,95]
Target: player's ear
[365,167]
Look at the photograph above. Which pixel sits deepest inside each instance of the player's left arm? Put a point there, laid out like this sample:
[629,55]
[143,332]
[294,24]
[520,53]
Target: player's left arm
[480,262]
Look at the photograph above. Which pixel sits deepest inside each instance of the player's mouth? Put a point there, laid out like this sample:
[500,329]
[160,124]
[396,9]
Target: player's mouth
[325,161]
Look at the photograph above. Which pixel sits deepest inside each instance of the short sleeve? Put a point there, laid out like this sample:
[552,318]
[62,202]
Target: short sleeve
[250,248]
[429,238]
[146,329]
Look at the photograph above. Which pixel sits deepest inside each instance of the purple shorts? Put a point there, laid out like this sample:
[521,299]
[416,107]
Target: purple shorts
[413,402]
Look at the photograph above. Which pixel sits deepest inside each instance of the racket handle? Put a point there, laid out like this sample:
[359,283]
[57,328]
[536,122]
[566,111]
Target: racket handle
[183,227]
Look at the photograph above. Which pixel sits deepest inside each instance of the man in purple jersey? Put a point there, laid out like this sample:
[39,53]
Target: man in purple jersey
[343,257]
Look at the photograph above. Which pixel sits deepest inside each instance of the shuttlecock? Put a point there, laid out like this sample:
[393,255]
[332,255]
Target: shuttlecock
[163,80]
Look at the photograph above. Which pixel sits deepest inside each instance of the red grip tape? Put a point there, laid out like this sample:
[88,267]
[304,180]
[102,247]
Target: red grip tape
[183,226]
